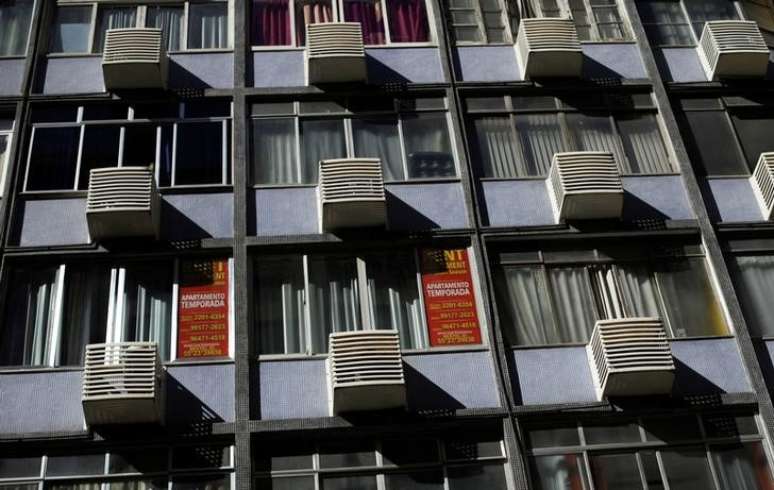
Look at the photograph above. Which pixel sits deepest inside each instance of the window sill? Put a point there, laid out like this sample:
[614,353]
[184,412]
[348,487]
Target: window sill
[387,183]
[404,353]
[63,369]
[543,177]
[74,55]
[73,194]
[13,57]
[620,41]
[680,46]
[367,46]
[727,177]
[584,344]
[199,362]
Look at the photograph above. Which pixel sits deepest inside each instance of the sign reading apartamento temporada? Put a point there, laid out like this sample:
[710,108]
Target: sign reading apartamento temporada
[450,304]
[203,309]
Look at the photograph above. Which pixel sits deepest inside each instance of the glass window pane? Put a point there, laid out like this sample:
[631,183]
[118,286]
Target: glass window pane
[348,483]
[754,279]
[700,12]
[279,300]
[165,155]
[553,436]
[81,464]
[208,26]
[112,18]
[485,443]
[476,477]
[651,471]
[145,460]
[643,145]
[20,467]
[334,303]
[573,303]
[714,144]
[742,467]
[100,149]
[539,137]
[370,16]
[84,311]
[139,145]
[311,12]
[148,305]
[468,34]
[170,21]
[611,433]
[669,429]
[275,160]
[562,472]
[400,452]
[428,149]
[271,23]
[72,26]
[204,482]
[619,471]
[19,486]
[687,468]
[416,480]
[321,139]
[286,483]
[347,454]
[184,457]
[526,309]
[199,158]
[378,138]
[53,159]
[408,21]
[15,16]
[275,456]
[594,132]
[754,130]
[499,150]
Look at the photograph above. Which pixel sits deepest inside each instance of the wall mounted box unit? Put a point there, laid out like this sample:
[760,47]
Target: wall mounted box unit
[122,202]
[122,384]
[335,53]
[134,58]
[762,181]
[351,193]
[733,48]
[548,47]
[365,371]
[631,357]
[585,185]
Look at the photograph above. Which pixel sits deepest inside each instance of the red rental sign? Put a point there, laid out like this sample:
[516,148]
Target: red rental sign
[450,305]
[203,309]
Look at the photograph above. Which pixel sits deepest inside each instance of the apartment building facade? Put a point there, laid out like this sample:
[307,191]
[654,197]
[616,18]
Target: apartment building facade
[386,244]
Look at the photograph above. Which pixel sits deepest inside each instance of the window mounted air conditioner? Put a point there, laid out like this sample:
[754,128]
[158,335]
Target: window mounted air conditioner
[134,58]
[122,202]
[631,357]
[548,47]
[351,193]
[762,181]
[335,53]
[585,185]
[122,384]
[365,371]
[733,48]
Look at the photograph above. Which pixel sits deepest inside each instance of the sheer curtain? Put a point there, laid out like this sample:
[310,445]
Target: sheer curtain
[394,298]
[540,137]
[378,138]
[498,149]
[84,311]
[279,300]
[311,12]
[274,152]
[333,299]
[148,306]
[527,309]
[573,303]
[207,26]
[72,26]
[645,151]
[170,21]
[593,132]
[428,149]
[271,23]
[638,291]
[15,18]
[408,21]
[742,467]
[370,16]
[755,279]
[113,18]
[321,139]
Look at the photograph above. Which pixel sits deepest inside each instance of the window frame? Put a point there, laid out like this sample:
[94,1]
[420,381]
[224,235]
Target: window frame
[565,8]
[507,15]
[8,134]
[741,15]
[27,37]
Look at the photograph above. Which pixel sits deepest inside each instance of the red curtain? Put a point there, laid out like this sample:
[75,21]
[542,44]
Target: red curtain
[408,21]
[271,23]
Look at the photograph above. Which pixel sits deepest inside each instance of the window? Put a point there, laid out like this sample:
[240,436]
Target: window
[188,144]
[206,467]
[514,137]
[6,135]
[301,299]
[754,279]
[53,312]
[207,25]
[670,22]
[595,20]
[283,22]
[484,21]
[15,17]
[556,296]
[467,460]
[411,137]
[682,455]
[761,12]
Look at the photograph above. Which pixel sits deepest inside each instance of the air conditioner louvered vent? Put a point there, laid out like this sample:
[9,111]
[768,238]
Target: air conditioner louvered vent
[365,371]
[335,52]
[122,383]
[762,181]
[122,202]
[733,48]
[631,357]
[585,185]
[351,193]
[134,58]
[548,47]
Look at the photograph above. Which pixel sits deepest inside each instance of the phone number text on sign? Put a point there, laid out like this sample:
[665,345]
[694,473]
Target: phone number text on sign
[203,309]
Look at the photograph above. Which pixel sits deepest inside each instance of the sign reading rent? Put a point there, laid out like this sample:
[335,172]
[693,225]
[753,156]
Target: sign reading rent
[203,309]
[450,305]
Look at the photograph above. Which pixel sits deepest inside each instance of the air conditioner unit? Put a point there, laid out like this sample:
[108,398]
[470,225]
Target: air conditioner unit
[122,384]
[335,53]
[585,185]
[351,192]
[733,48]
[762,181]
[134,58]
[631,357]
[122,202]
[548,47]
[365,371]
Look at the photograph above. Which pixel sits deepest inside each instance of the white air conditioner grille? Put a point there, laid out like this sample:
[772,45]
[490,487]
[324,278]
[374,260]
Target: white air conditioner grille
[631,356]
[585,184]
[357,179]
[121,189]
[763,183]
[121,370]
[733,48]
[132,46]
[365,357]
[549,34]
[335,39]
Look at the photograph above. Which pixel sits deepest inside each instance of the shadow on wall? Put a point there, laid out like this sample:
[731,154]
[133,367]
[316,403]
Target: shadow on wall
[599,73]
[180,77]
[689,382]
[424,397]
[177,226]
[378,72]
[635,208]
[767,367]
[185,411]
[403,216]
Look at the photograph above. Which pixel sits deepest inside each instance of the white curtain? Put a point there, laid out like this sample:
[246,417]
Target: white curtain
[593,132]
[114,18]
[170,21]
[274,152]
[573,303]
[644,147]
[378,138]
[527,306]
[279,306]
[148,306]
[755,280]
[637,289]
[498,149]
[742,467]
[540,137]
[321,139]
[15,18]
[333,299]
[34,320]
[207,26]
